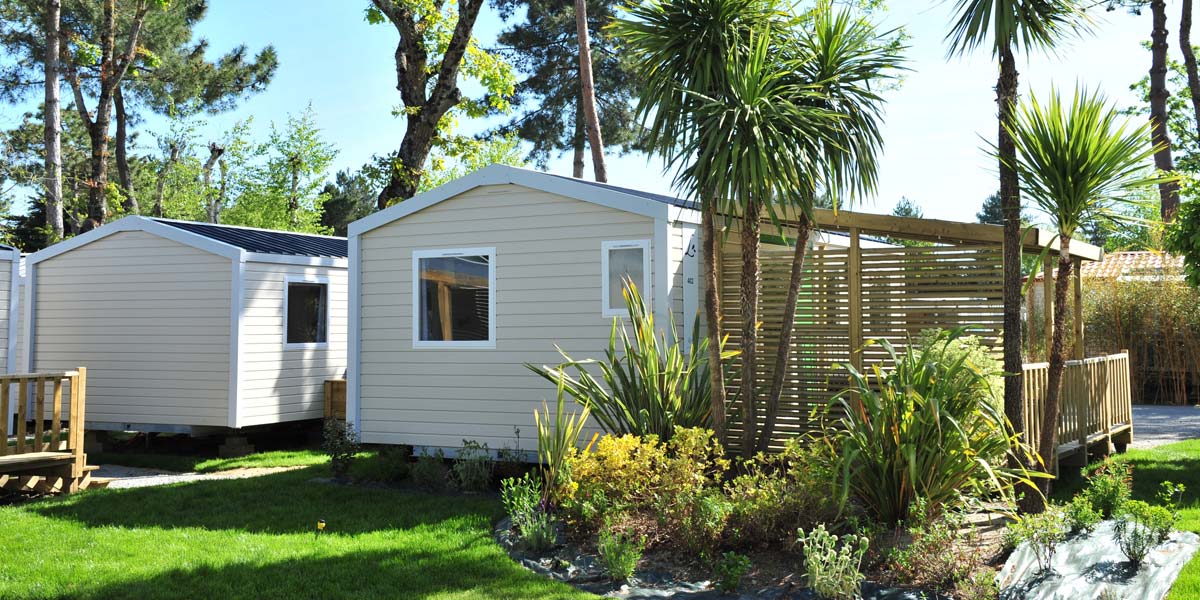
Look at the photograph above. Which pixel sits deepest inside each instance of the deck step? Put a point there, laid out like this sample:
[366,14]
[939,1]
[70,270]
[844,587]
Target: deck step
[32,460]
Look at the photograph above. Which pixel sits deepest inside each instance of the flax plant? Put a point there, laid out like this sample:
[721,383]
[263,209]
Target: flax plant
[558,436]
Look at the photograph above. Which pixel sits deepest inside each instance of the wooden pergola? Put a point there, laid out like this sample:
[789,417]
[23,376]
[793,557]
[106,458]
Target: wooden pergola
[854,293]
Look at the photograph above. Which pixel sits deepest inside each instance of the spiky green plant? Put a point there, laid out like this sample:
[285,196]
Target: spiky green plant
[558,436]
[649,384]
[921,429]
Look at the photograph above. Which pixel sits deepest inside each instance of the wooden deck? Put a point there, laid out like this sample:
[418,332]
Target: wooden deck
[1095,411]
[45,457]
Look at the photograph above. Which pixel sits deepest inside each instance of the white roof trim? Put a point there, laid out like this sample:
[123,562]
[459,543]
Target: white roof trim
[298,259]
[503,174]
[138,223]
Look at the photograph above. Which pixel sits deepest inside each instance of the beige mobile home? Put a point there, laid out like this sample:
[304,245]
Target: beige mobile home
[453,290]
[190,327]
[10,297]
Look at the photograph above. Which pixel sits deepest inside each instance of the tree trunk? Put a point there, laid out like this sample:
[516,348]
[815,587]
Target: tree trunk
[783,351]
[712,314]
[751,224]
[130,203]
[589,93]
[1046,442]
[52,119]
[1159,135]
[578,141]
[97,204]
[215,201]
[1010,206]
[1189,58]
[414,151]
[173,153]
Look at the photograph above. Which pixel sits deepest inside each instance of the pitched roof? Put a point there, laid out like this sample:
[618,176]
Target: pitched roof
[1132,265]
[671,200]
[266,241]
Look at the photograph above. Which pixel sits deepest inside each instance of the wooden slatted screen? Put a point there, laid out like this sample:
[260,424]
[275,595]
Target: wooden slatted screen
[902,292]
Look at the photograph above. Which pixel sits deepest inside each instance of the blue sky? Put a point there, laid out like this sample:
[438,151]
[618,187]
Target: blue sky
[935,127]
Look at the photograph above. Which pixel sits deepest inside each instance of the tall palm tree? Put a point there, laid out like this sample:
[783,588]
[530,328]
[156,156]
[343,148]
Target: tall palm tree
[1008,26]
[848,62]
[681,48]
[1075,162]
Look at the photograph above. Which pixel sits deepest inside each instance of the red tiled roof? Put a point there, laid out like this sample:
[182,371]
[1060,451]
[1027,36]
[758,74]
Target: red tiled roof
[1117,265]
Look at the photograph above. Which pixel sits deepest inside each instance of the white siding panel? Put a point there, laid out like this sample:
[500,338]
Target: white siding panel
[548,291]
[149,318]
[287,384]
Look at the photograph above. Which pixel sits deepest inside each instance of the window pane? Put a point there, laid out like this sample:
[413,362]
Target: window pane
[306,313]
[454,298]
[622,263]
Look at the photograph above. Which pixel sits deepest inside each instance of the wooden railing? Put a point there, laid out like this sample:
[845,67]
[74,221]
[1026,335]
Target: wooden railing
[1095,406]
[50,454]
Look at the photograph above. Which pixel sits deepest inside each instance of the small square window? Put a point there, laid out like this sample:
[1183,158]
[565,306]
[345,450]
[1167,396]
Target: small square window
[306,308]
[623,261]
[454,300]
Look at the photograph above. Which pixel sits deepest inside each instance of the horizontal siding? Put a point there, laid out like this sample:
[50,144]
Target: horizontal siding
[548,284]
[149,318]
[6,291]
[279,384]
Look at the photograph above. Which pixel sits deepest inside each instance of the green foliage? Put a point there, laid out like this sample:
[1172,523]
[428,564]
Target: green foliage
[1170,494]
[522,501]
[951,346]
[673,485]
[390,464]
[463,155]
[351,196]
[1108,486]
[473,468]
[1042,532]
[1183,239]
[920,429]
[538,533]
[729,571]
[998,24]
[430,473]
[619,553]
[281,188]
[340,442]
[941,554]
[1081,516]
[648,385]
[833,569]
[1140,527]
[777,494]
[557,441]
[1079,161]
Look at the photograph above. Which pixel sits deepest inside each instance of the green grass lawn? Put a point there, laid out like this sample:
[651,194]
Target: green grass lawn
[200,464]
[254,538]
[1180,463]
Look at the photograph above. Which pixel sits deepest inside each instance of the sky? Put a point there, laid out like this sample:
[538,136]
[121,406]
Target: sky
[936,128]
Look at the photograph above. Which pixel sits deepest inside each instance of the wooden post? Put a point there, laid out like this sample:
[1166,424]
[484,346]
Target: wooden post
[56,423]
[1048,302]
[78,402]
[6,418]
[1080,351]
[444,311]
[22,414]
[854,275]
[1029,339]
[39,417]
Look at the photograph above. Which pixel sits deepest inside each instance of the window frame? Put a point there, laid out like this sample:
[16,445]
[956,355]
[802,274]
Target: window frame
[287,289]
[417,342]
[606,247]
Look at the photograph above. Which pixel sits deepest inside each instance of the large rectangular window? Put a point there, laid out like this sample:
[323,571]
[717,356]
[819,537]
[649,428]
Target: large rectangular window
[622,261]
[307,307]
[454,298]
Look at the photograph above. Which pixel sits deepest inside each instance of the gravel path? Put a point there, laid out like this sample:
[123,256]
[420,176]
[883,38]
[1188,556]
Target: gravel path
[136,477]
[1158,425]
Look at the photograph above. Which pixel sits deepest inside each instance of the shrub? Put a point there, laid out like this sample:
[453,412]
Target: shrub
[520,496]
[1108,486]
[974,353]
[539,534]
[1140,527]
[1042,532]
[390,464]
[649,385]
[619,553]
[340,442]
[557,441]
[778,494]
[672,483]
[941,553]
[430,473]
[473,468]
[979,585]
[730,570]
[1171,494]
[919,429]
[1081,516]
[831,569]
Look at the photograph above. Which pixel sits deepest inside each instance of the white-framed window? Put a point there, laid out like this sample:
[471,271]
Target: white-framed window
[454,298]
[619,260]
[305,312]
